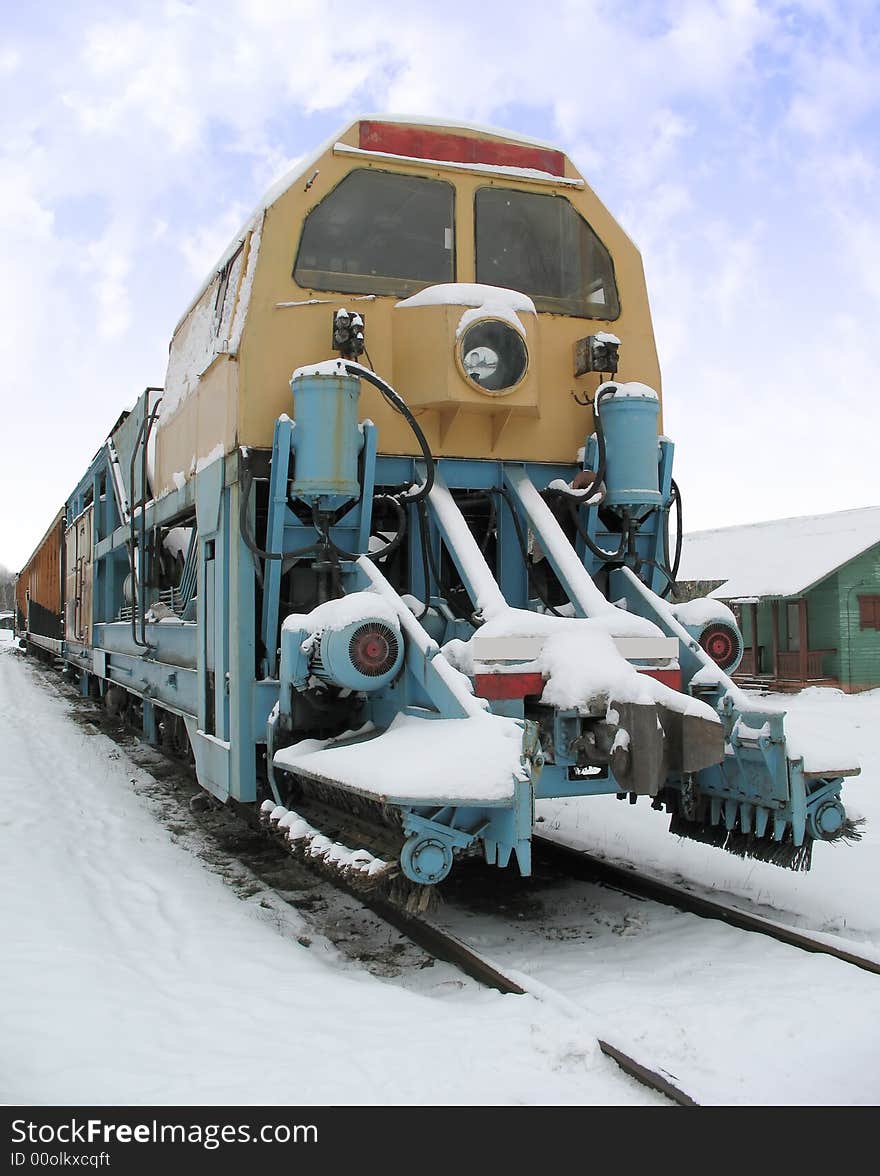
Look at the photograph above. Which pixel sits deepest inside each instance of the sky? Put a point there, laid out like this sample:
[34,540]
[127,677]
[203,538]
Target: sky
[146,965]
[735,140]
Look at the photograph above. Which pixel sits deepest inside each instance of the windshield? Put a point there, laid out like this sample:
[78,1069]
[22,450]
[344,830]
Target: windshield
[542,247]
[379,232]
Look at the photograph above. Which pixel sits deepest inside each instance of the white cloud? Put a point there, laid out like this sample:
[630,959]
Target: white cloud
[10,60]
[861,236]
[202,248]
[709,45]
[111,265]
[732,138]
[663,135]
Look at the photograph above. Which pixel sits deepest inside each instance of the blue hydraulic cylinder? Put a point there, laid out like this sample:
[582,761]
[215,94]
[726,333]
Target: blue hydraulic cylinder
[629,422]
[326,440]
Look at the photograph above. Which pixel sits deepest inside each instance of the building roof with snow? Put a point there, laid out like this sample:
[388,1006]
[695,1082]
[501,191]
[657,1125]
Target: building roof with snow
[783,557]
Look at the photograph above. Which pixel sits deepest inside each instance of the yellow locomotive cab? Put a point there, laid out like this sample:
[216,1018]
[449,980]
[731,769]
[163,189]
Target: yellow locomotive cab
[456,205]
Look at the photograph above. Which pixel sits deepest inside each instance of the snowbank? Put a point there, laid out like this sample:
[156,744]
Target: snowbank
[133,975]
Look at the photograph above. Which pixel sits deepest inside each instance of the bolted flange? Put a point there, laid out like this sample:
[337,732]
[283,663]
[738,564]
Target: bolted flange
[827,821]
[426,859]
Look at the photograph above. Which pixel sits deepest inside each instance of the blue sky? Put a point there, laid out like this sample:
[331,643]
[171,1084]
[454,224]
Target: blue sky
[738,142]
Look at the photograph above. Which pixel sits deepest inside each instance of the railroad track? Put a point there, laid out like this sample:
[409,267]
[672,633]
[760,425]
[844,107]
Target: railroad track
[440,943]
[583,866]
[576,863]
[448,947]
[434,941]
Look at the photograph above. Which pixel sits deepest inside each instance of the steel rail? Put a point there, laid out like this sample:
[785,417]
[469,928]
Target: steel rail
[649,1078]
[588,868]
[583,866]
[442,945]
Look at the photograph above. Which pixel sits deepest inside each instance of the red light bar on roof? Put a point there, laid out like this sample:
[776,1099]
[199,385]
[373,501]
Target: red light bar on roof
[423,143]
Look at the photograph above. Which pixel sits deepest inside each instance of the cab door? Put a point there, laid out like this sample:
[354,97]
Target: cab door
[78,588]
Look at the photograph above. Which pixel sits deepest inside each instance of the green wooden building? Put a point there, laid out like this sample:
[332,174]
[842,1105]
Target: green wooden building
[806,592]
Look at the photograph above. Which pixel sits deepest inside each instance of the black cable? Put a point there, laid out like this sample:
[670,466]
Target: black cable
[399,405]
[600,438]
[679,532]
[671,574]
[335,571]
[598,479]
[524,550]
[427,548]
[490,524]
[323,526]
[247,479]
[443,589]
[402,524]
[599,552]
[423,544]
[652,563]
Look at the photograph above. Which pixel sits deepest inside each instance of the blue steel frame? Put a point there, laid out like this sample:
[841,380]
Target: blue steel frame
[207,672]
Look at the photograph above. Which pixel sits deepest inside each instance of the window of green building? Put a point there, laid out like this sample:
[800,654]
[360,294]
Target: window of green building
[869,612]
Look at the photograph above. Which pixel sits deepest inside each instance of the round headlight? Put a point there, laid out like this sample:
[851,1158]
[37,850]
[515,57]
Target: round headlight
[480,363]
[493,356]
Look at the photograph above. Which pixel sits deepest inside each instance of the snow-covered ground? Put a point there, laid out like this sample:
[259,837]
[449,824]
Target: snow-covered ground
[131,973]
[839,895]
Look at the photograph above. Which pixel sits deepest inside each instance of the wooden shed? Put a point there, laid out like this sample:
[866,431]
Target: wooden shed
[806,592]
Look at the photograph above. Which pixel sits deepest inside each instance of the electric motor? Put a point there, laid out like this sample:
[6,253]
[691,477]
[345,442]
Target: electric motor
[721,639]
[364,655]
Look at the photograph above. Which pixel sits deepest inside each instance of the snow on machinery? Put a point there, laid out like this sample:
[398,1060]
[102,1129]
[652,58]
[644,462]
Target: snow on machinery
[393,541]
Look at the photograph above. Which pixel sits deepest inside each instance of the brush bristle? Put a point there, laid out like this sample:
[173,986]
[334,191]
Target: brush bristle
[850,831]
[784,854]
[349,821]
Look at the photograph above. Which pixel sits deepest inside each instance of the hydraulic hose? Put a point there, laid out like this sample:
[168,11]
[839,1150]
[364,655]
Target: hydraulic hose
[399,405]
[247,479]
[652,563]
[490,524]
[599,478]
[323,526]
[600,439]
[679,533]
[524,549]
[599,552]
[423,545]
[443,588]
[671,573]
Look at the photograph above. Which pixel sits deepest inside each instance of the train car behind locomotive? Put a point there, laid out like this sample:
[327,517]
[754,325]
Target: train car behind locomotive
[394,539]
[39,596]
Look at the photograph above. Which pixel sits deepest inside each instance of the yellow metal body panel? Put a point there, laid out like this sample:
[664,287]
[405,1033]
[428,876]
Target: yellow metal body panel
[205,420]
[238,400]
[424,349]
